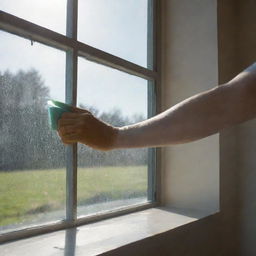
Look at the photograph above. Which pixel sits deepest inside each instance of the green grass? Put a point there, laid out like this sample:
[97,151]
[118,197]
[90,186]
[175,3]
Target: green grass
[24,194]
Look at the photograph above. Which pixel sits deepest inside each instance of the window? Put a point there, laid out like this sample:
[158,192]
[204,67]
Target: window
[106,65]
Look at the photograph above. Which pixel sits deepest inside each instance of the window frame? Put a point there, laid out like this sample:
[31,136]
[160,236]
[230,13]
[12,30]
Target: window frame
[74,49]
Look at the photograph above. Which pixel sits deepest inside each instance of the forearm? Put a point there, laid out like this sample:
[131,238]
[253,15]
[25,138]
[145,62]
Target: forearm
[195,118]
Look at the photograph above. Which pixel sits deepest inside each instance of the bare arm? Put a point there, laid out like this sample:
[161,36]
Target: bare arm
[192,119]
[197,117]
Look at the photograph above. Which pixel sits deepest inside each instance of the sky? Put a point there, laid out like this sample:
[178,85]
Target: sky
[116,26]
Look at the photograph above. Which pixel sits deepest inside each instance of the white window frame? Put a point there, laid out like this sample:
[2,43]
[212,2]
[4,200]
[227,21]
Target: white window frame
[74,49]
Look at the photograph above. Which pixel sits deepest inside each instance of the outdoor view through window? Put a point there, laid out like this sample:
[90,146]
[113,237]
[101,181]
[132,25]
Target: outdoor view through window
[33,160]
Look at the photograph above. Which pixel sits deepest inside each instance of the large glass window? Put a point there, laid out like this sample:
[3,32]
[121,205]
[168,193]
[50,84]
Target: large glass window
[44,184]
[32,167]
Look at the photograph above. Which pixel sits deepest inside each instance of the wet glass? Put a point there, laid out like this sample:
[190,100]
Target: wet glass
[118,178]
[117,27]
[50,14]
[32,158]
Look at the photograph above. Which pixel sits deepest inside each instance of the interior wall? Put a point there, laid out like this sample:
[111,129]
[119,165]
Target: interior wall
[190,178]
[246,136]
[237,50]
[229,154]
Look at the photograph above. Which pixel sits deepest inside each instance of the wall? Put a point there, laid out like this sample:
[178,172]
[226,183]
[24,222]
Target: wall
[190,178]
[246,139]
[237,50]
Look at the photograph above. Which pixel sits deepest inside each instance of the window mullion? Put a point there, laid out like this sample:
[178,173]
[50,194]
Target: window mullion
[151,61]
[71,96]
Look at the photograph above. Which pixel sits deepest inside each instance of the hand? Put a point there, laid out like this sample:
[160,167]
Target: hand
[81,126]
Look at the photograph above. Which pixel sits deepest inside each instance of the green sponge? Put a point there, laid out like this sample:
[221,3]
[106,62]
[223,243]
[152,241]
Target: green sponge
[55,110]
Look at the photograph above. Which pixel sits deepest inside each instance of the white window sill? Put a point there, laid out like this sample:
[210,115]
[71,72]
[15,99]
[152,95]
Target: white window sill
[103,236]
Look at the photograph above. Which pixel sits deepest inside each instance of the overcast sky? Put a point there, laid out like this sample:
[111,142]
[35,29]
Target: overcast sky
[116,26]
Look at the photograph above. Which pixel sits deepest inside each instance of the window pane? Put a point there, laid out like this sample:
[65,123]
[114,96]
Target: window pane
[118,27]
[32,159]
[36,11]
[107,180]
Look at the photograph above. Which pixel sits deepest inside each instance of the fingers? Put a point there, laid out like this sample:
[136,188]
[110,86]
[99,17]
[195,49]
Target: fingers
[68,118]
[69,115]
[63,130]
[71,138]
[65,122]
[79,110]
[67,142]
[67,136]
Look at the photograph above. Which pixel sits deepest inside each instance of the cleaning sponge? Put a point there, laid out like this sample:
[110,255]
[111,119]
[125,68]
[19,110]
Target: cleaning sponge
[55,110]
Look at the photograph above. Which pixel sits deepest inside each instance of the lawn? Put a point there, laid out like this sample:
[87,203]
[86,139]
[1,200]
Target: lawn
[24,194]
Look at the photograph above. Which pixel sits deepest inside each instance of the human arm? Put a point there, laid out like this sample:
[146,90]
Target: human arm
[194,118]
